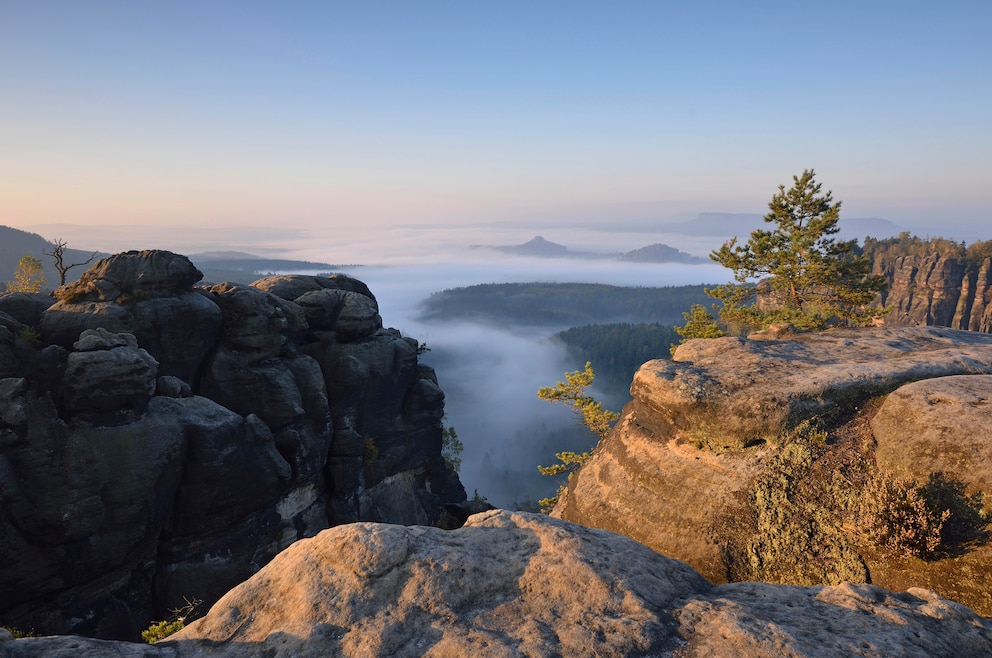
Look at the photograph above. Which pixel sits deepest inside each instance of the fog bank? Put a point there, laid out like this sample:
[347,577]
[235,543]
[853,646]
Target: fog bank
[491,373]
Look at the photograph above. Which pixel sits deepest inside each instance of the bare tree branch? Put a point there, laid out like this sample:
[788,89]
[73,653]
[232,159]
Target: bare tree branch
[58,255]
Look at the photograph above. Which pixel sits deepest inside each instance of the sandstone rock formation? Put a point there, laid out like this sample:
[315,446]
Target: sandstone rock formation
[510,584]
[940,425]
[747,457]
[935,288]
[161,441]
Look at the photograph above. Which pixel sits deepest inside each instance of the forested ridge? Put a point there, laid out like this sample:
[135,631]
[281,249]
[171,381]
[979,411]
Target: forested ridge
[906,244]
[562,304]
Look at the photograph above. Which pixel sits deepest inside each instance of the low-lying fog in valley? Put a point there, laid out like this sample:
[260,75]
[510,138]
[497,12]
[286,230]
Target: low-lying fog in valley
[490,372]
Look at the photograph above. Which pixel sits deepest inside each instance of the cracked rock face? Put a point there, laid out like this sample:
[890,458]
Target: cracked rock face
[936,289]
[510,584]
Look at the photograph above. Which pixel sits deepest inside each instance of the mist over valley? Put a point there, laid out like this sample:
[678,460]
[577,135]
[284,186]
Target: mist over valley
[490,368]
[490,365]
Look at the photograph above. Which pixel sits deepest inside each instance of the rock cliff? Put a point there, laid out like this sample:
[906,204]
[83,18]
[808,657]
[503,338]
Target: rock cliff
[934,282]
[160,440]
[511,584]
[749,458]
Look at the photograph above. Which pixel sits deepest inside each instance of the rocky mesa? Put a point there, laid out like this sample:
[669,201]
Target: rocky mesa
[162,441]
[754,459]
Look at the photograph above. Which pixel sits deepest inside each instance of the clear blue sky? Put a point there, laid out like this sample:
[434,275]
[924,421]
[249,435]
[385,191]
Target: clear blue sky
[217,113]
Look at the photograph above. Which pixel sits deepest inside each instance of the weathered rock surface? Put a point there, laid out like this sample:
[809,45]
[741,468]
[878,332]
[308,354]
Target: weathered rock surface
[511,584]
[161,441]
[26,307]
[295,285]
[108,378]
[148,294]
[767,385]
[713,461]
[940,425]
[350,315]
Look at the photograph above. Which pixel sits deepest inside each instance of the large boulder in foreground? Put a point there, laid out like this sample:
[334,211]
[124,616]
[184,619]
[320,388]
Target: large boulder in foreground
[509,584]
[748,458]
[941,424]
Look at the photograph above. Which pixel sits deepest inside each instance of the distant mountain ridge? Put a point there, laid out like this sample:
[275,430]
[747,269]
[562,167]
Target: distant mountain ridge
[242,267]
[243,260]
[727,225]
[217,266]
[540,248]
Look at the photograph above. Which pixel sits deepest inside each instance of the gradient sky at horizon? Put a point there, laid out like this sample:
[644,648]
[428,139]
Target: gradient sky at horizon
[381,113]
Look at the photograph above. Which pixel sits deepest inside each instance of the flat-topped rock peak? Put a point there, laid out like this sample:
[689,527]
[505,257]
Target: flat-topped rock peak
[775,379]
[751,458]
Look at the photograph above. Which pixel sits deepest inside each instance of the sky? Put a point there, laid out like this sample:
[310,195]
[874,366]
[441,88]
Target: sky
[302,116]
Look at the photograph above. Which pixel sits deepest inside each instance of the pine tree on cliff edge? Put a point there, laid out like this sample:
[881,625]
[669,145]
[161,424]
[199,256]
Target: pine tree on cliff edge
[796,272]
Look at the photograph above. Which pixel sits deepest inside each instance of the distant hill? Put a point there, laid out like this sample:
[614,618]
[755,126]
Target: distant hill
[660,253]
[540,248]
[562,304]
[537,246]
[15,244]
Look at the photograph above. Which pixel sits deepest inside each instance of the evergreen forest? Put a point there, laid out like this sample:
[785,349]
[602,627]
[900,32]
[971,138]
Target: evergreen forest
[562,304]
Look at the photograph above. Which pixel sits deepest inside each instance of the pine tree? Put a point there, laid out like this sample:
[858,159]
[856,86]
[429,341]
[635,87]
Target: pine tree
[572,392]
[797,272]
[699,323]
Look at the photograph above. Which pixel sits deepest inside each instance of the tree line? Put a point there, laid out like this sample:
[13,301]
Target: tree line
[906,244]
